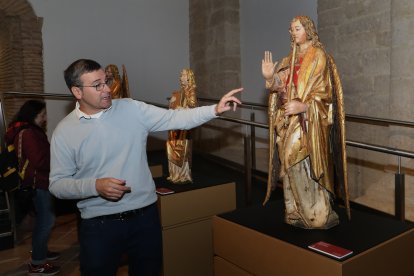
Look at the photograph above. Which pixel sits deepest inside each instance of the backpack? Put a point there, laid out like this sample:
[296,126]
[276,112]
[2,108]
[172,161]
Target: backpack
[9,178]
[10,175]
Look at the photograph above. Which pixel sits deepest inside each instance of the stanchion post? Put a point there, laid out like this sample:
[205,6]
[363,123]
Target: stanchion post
[253,141]
[248,169]
[399,193]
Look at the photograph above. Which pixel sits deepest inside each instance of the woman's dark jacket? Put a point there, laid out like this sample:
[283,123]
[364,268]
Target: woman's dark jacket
[36,149]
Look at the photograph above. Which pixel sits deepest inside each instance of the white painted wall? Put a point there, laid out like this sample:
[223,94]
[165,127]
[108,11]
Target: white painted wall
[150,37]
[264,26]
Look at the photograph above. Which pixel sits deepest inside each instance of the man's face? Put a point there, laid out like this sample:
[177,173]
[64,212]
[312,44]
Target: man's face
[90,100]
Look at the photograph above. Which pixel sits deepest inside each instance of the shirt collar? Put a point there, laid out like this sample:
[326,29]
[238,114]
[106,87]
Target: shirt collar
[81,114]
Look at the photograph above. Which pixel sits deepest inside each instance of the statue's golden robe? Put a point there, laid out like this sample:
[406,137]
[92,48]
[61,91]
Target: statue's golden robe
[304,152]
[179,144]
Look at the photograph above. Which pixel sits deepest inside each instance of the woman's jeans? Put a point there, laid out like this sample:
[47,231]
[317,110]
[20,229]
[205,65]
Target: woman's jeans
[45,219]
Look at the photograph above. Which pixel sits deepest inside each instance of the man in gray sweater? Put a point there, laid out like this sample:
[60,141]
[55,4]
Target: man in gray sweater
[113,180]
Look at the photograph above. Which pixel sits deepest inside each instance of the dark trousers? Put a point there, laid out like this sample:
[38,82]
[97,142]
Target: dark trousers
[45,219]
[104,240]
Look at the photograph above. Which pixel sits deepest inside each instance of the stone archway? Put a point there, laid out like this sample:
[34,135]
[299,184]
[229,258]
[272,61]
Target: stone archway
[21,51]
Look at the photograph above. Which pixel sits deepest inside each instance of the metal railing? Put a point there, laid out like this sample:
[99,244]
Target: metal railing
[249,136]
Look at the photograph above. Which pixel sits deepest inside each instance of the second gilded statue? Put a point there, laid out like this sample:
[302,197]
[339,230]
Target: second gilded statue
[179,144]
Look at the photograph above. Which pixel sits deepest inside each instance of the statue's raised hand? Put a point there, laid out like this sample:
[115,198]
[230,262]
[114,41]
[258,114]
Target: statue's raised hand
[268,67]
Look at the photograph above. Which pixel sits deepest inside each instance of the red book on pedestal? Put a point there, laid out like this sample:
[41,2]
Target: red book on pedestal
[164,191]
[330,249]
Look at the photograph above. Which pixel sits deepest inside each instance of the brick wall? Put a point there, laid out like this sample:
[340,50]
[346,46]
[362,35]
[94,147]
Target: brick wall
[21,52]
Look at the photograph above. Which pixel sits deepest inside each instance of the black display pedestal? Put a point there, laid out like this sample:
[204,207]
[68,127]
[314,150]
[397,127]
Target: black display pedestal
[256,241]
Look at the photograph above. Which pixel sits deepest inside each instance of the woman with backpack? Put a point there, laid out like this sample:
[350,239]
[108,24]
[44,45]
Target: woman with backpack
[27,132]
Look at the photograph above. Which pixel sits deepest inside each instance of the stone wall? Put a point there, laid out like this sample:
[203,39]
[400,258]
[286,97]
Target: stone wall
[215,60]
[372,43]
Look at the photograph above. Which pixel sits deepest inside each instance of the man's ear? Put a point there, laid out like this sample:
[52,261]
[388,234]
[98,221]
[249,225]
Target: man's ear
[77,92]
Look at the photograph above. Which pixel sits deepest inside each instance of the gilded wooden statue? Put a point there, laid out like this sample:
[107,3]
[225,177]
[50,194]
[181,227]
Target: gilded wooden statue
[179,144]
[119,87]
[306,129]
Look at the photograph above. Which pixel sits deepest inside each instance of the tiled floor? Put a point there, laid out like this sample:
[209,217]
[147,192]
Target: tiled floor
[63,239]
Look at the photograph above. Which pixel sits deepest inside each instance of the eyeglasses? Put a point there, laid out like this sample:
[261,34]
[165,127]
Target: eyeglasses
[100,85]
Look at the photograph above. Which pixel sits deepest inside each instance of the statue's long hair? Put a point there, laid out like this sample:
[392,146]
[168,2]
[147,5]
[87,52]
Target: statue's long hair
[114,70]
[310,29]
